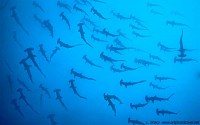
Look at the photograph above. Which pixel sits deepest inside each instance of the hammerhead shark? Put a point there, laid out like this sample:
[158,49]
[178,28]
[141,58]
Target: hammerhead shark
[62,44]
[16,18]
[59,97]
[137,21]
[157,87]
[117,49]
[156,12]
[73,87]
[35,4]
[82,33]
[181,60]
[181,49]
[16,40]
[24,85]
[176,13]
[108,59]
[45,90]
[139,35]
[98,13]
[48,25]
[173,23]
[161,78]
[87,60]
[126,84]
[54,52]
[43,52]
[145,63]
[76,74]
[139,105]
[97,39]
[16,106]
[120,16]
[165,48]
[118,42]
[156,98]
[65,19]
[163,112]
[22,97]
[134,122]
[153,5]
[32,57]
[79,9]
[64,5]
[27,68]
[122,34]
[126,68]
[52,120]
[108,96]
[136,28]
[86,2]
[116,70]
[106,33]
[38,20]
[156,58]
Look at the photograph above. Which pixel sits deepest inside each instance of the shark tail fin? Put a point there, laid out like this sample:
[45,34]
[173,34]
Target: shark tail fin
[170,96]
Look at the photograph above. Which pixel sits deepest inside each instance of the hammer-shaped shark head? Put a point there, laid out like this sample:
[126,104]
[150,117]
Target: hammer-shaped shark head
[158,44]
[29,49]
[72,70]
[92,9]
[58,41]
[105,96]
[71,81]
[147,98]
[101,55]
[57,90]
[121,82]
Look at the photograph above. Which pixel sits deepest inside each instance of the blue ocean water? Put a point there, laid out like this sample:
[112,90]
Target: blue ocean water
[97,61]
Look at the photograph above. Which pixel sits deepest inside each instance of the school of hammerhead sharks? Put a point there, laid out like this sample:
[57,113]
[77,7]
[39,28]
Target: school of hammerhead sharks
[116,46]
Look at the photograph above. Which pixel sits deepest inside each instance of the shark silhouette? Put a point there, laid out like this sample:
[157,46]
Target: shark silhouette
[73,87]
[16,18]
[22,97]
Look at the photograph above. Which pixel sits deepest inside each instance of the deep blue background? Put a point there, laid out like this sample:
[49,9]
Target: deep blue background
[95,109]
